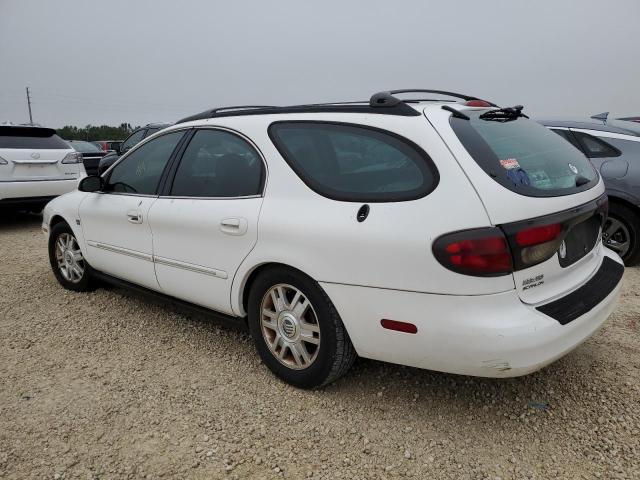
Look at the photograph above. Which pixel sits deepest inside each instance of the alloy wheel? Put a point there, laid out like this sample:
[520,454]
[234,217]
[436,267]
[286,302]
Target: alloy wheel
[616,236]
[69,257]
[290,326]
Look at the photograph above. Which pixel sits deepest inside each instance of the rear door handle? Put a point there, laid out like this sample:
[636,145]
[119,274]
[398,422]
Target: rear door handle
[234,226]
[134,216]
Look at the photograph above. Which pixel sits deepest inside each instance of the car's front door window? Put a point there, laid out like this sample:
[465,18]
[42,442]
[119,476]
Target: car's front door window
[140,172]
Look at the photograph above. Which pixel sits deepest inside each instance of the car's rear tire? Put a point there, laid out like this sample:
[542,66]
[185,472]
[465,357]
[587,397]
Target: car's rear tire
[621,233]
[297,330]
[67,261]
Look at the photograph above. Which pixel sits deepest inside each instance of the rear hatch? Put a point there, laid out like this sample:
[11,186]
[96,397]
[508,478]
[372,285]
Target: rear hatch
[35,154]
[543,194]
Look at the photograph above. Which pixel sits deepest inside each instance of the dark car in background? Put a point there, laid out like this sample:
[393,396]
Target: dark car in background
[613,146]
[91,155]
[132,140]
[107,145]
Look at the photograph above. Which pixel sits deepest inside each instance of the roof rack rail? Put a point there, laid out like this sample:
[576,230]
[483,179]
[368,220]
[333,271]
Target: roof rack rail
[387,98]
[213,112]
[401,109]
[391,106]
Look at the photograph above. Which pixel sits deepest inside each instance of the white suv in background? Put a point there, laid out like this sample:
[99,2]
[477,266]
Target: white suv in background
[453,236]
[35,166]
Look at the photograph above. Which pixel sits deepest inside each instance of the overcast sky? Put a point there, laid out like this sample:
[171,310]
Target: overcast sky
[113,61]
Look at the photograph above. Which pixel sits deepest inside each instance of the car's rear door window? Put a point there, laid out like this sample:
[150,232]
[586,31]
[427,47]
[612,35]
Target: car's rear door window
[218,164]
[355,163]
[524,156]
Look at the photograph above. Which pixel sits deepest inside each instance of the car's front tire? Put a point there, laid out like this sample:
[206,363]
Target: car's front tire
[621,233]
[297,330]
[67,260]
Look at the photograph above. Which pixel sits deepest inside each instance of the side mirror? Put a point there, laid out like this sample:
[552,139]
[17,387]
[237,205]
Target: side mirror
[93,183]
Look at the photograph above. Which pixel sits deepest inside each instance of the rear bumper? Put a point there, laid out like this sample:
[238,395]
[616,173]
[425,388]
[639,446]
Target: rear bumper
[29,192]
[485,335]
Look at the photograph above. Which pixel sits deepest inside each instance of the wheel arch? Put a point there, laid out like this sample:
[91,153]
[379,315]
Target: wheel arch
[613,198]
[56,219]
[249,278]
[59,218]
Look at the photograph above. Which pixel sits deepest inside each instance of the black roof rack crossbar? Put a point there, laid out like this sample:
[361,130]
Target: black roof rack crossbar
[387,99]
[455,113]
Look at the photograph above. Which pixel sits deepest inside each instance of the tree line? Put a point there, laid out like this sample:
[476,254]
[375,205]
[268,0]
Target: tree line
[93,132]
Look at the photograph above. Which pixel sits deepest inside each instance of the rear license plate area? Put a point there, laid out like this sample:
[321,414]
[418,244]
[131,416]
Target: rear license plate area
[580,240]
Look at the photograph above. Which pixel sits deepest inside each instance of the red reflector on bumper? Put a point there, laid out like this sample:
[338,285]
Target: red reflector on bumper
[399,326]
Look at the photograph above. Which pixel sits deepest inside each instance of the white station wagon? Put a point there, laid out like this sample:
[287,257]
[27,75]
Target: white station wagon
[449,235]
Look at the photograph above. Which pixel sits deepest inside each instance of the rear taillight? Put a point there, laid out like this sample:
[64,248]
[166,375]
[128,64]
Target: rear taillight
[72,157]
[519,245]
[537,235]
[481,252]
[487,252]
[536,244]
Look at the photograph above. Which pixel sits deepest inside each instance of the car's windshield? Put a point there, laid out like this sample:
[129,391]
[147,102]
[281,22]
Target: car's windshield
[84,147]
[524,156]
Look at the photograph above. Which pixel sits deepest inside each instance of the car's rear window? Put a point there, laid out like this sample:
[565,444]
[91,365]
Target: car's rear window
[355,163]
[31,138]
[524,156]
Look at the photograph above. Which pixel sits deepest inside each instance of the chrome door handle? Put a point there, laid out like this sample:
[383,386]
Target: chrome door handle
[134,216]
[230,222]
[234,226]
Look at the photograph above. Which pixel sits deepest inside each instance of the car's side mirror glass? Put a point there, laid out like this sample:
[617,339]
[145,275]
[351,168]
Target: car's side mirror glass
[91,184]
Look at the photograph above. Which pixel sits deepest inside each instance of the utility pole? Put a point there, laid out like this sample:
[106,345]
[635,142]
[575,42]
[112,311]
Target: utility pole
[29,104]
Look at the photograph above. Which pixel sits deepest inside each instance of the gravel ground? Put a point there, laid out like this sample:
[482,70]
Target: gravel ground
[113,385]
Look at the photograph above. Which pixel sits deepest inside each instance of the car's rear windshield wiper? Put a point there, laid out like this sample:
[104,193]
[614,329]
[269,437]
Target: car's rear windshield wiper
[505,114]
